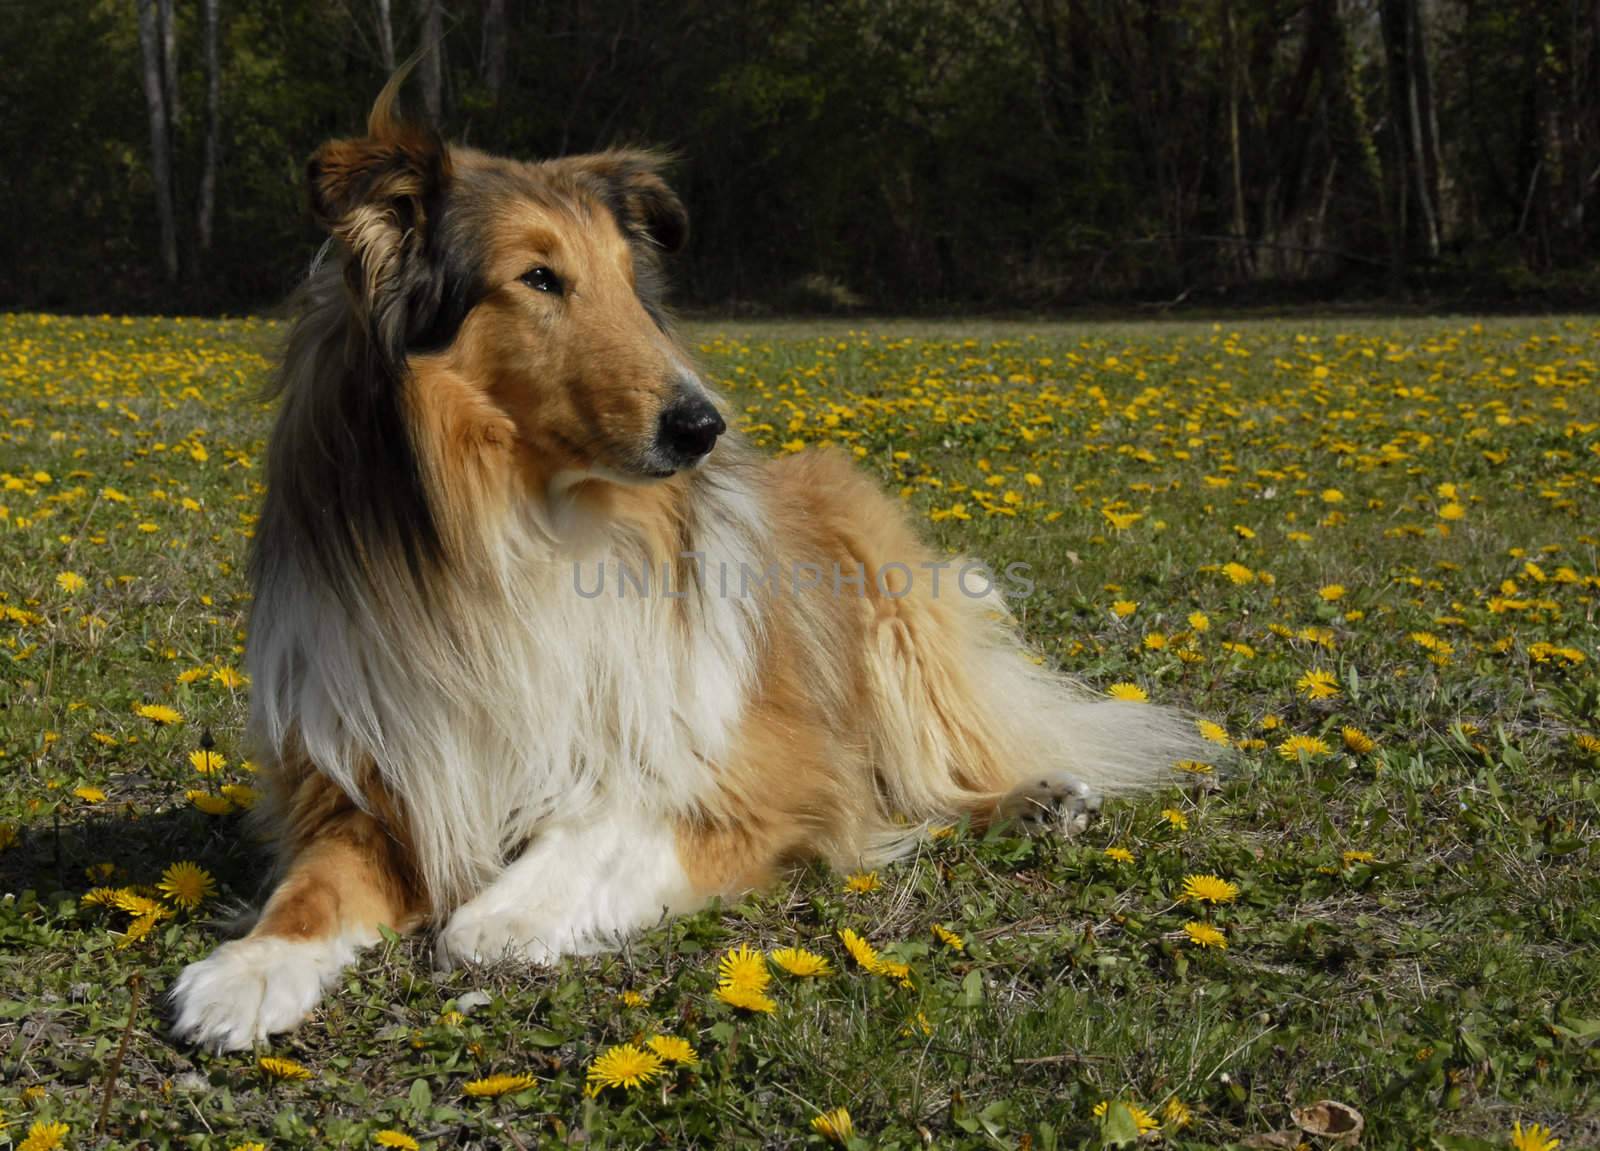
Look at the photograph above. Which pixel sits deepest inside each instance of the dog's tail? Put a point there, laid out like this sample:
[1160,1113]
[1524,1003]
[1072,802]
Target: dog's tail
[968,719]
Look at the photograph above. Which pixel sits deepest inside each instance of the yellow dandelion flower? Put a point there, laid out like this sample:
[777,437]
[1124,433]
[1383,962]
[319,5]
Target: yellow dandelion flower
[283,1068]
[800,962]
[1533,1137]
[134,903]
[746,999]
[1175,818]
[862,882]
[949,938]
[70,582]
[1123,608]
[623,1066]
[245,797]
[493,1086]
[1209,889]
[860,950]
[187,884]
[1122,521]
[44,1136]
[1351,858]
[396,1139]
[1318,684]
[139,930]
[1452,511]
[1204,935]
[209,803]
[1214,732]
[1176,1113]
[744,968]
[1589,744]
[206,762]
[1142,1119]
[159,713]
[1332,593]
[229,678]
[253,1145]
[99,897]
[1357,741]
[893,969]
[835,1126]
[1238,573]
[1128,693]
[1119,854]
[89,794]
[1307,745]
[1199,621]
[1194,767]
[674,1050]
[633,999]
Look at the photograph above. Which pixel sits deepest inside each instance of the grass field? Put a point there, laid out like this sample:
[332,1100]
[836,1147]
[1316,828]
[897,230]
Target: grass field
[1365,552]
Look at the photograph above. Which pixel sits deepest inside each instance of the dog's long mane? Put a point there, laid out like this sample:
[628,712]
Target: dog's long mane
[411,620]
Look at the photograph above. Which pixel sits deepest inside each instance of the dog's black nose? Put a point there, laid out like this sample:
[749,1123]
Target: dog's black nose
[688,430]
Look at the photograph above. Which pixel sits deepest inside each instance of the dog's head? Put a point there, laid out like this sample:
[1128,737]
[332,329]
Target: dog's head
[535,285]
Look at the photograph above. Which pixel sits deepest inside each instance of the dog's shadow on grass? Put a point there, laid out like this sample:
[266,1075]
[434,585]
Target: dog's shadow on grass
[77,851]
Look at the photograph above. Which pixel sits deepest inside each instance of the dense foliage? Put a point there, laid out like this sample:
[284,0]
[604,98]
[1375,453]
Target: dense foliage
[890,152]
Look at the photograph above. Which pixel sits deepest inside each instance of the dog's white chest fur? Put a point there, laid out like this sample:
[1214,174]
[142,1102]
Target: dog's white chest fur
[573,689]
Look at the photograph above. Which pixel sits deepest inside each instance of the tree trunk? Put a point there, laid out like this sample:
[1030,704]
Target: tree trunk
[1408,179]
[385,35]
[1395,177]
[150,47]
[1350,135]
[494,46]
[1428,122]
[1241,252]
[432,60]
[169,62]
[208,174]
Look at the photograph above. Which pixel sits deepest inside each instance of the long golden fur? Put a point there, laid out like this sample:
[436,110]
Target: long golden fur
[485,417]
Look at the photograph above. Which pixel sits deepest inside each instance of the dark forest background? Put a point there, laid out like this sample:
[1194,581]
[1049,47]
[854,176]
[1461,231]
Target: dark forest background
[893,154]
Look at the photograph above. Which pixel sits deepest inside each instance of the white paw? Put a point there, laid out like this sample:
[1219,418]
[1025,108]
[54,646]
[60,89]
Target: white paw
[252,988]
[481,932]
[1056,797]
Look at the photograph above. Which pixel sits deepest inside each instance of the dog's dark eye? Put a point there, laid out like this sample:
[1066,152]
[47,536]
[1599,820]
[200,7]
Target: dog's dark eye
[542,280]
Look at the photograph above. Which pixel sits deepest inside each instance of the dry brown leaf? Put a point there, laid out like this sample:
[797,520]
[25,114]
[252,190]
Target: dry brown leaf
[1330,1119]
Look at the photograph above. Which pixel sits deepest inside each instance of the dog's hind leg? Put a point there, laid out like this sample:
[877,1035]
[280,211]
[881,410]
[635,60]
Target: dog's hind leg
[1056,798]
[344,878]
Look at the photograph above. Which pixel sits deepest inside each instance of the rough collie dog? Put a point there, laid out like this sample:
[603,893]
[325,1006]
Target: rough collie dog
[483,413]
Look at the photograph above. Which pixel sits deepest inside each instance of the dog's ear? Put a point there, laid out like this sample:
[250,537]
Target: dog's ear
[633,188]
[382,196]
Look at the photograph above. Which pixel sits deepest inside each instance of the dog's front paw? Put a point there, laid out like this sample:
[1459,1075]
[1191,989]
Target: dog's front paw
[252,988]
[481,932]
